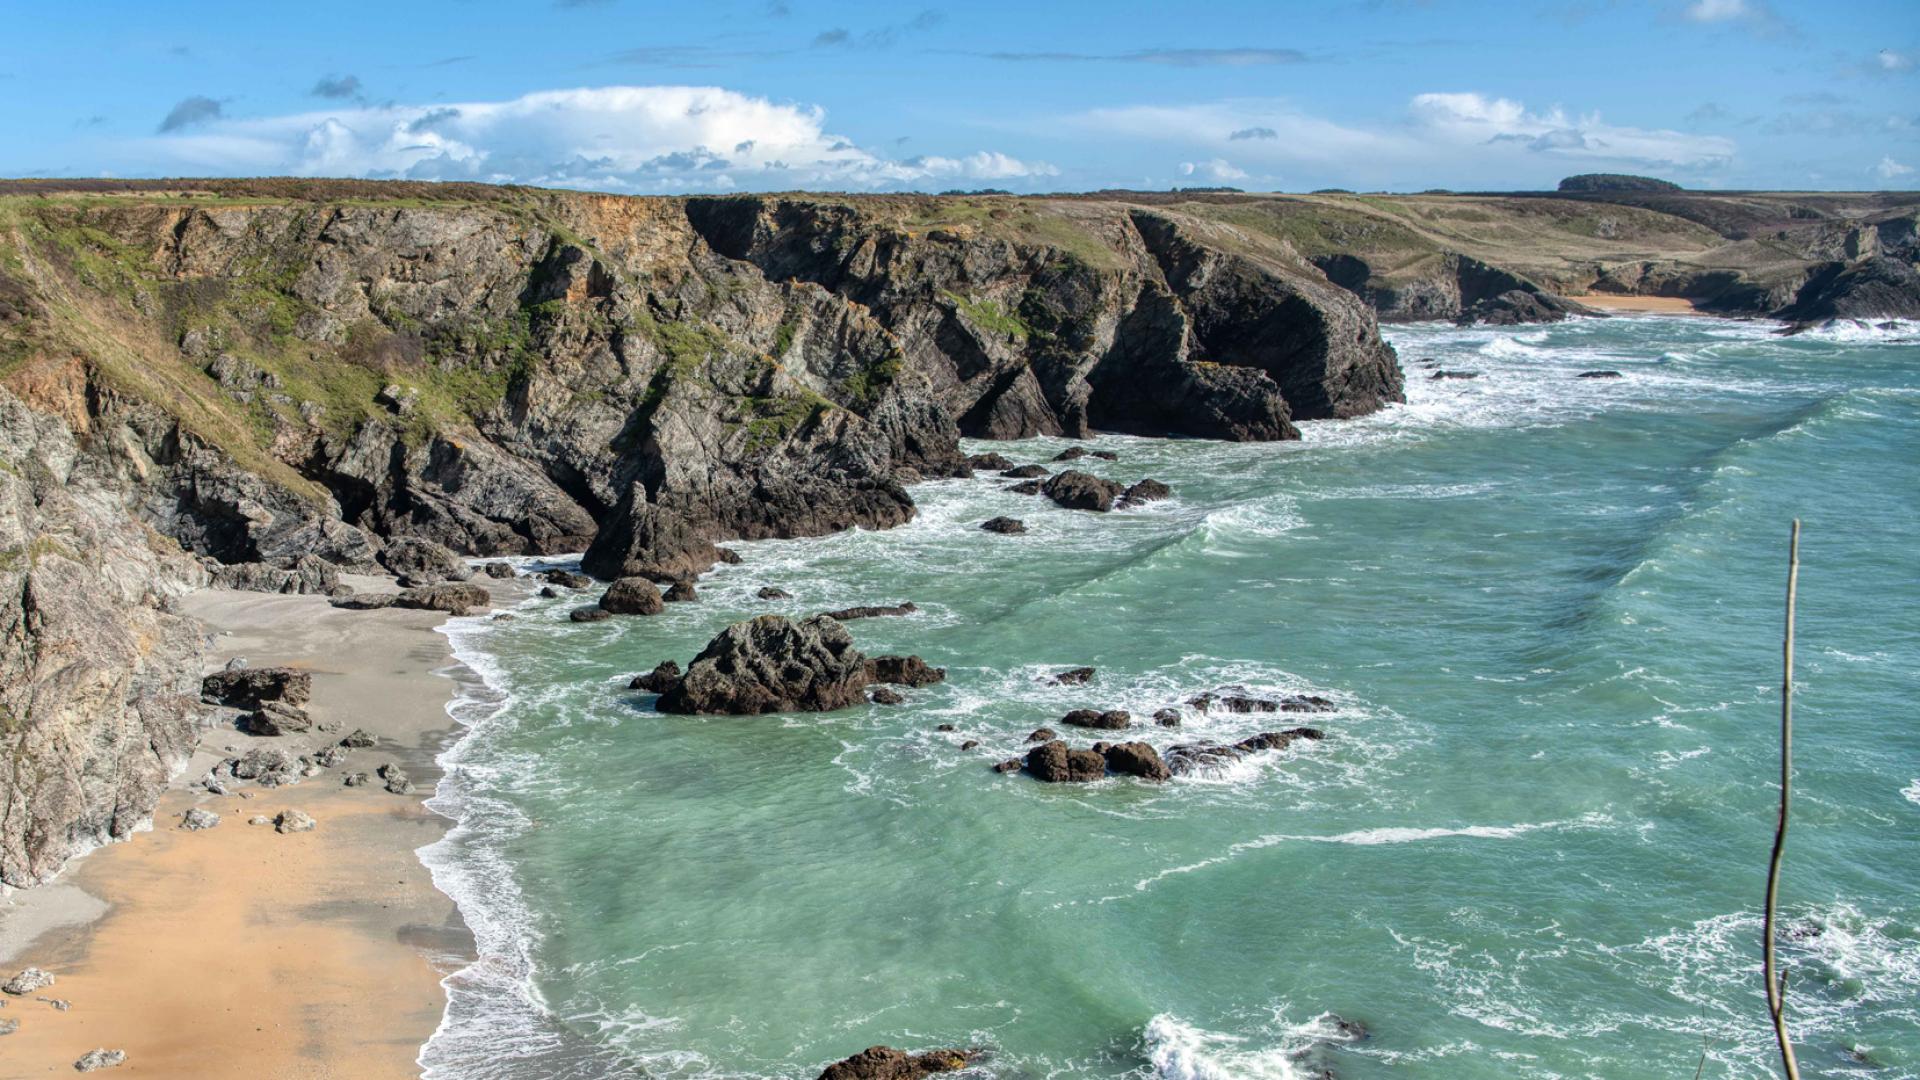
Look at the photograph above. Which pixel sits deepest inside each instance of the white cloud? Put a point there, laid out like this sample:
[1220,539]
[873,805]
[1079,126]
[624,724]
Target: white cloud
[642,138]
[1474,119]
[1720,10]
[1889,169]
[1216,169]
[1895,61]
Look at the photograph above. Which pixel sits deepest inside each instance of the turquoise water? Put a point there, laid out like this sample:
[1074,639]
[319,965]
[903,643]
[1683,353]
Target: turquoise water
[1532,844]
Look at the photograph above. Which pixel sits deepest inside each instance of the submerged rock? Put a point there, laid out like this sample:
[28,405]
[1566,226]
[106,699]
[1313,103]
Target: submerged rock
[990,462]
[567,578]
[589,614]
[1025,487]
[1148,490]
[1190,757]
[772,664]
[1167,717]
[1444,374]
[1079,676]
[1599,374]
[1007,766]
[886,1063]
[881,695]
[852,613]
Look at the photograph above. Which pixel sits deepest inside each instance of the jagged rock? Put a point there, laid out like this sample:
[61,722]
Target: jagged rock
[680,592]
[664,677]
[400,399]
[1075,453]
[772,664]
[1076,490]
[94,1060]
[454,599]
[397,780]
[1307,703]
[1055,762]
[632,596]
[245,688]
[1005,526]
[498,570]
[1025,472]
[1599,374]
[423,561]
[279,718]
[1167,717]
[880,695]
[770,592]
[903,671]
[1111,720]
[293,821]
[1079,676]
[1029,487]
[1516,306]
[1039,735]
[309,575]
[27,981]
[1878,287]
[589,614]
[358,779]
[330,756]
[357,739]
[1235,703]
[1147,490]
[1136,759]
[886,1063]
[268,766]
[852,613]
[567,578]
[1192,756]
[990,462]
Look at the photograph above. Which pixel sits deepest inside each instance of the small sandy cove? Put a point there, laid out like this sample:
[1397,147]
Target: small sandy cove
[238,951]
[1648,305]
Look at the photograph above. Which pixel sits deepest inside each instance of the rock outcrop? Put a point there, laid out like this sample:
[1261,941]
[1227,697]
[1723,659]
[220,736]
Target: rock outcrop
[772,664]
[886,1063]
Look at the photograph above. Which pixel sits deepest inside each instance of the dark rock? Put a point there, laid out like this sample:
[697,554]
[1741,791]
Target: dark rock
[852,613]
[1079,676]
[880,695]
[567,578]
[1005,526]
[1111,720]
[1045,734]
[1136,759]
[1007,766]
[1192,756]
[944,727]
[886,1063]
[771,593]
[498,569]
[1233,703]
[279,718]
[309,575]
[1147,490]
[680,592]
[397,780]
[589,614]
[1455,375]
[1025,472]
[1307,703]
[1028,487]
[245,688]
[423,561]
[664,677]
[1351,1030]
[727,556]
[632,596]
[548,592]
[330,756]
[357,739]
[772,664]
[1599,374]
[1075,453]
[457,599]
[1055,762]
[990,462]
[1878,287]
[1076,490]
[365,601]
[903,671]
[1167,717]
[970,744]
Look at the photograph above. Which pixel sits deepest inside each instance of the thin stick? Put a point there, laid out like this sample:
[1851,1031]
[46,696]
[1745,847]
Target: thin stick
[1776,992]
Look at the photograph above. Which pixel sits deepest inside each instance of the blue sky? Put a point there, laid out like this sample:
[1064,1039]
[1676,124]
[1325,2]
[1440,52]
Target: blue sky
[647,96]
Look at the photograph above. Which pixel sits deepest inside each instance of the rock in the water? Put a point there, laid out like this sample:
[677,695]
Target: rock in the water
[279,718]
[1005,526]
[1025,472]
[197,818]
[772,664]
[423,561]
[498,569]
[1056,762]
[664,677]
[633,596]
[246,688]
[293,821]
[1308,703]
[770,592]
[1599,374]
[886,1063]
[567,578]
[881,695]
[970,744]
[990,462]
[1444,374]
[904,671]
[1193,756]
[1148,490]
[867,612]
[589,614]
[1136,759]
[27,981]
[680,592]
[1025,487]
[1075,453]
[548,592]
[1079,676]
[1167,717]
[1111,720]
[1007,766]
[1233,703]
[1076,490]
[1045,734]
[99,1059]
[454,599]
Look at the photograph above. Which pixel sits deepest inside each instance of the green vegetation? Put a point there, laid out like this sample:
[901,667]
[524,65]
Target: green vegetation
[862,389]
[989,315]
[771,420]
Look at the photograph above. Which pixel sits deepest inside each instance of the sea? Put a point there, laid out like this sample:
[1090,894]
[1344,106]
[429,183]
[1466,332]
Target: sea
[1533,843]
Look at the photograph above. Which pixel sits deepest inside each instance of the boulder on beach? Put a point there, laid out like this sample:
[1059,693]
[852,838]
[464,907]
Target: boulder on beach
[1076,490]
[278,718]
[1005,526]
[632,596]
[1110,720]
[246,688]
[357,739]
[1058,763]
[94,1060]
[454,599]
[293,821]
[869,612]
[422,561]
[268,766]
[198,818]
[664,677]
[886,1063]
[772,664]
[364,601]
[904,671]
[26,981]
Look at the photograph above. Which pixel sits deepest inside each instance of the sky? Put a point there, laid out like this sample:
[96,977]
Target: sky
[649,96]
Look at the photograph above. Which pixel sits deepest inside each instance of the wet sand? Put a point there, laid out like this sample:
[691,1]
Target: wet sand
[1647,305]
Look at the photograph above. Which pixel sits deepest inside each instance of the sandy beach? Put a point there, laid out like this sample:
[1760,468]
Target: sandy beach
[1646,305]
[241,952]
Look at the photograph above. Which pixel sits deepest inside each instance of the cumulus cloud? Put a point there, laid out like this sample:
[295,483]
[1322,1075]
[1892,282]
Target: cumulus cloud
[336,88]
[1216,169]
[1755,15]
[190,111]
[1469,118]
[1889,169]
[1891,60]
[1719,10]
[617,138]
